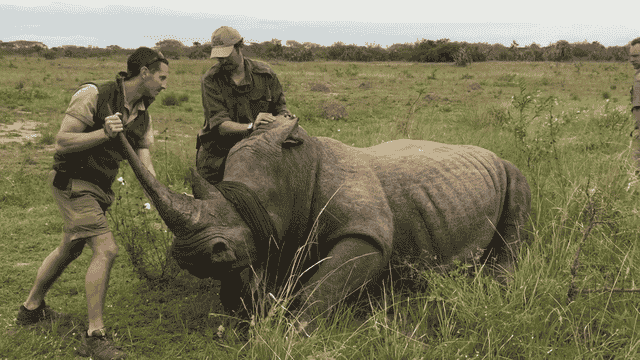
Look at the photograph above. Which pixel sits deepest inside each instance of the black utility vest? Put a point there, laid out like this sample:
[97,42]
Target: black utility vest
[100,164]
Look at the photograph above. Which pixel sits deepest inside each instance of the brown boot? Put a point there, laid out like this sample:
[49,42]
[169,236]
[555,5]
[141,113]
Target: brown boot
[42,313]
[99,347]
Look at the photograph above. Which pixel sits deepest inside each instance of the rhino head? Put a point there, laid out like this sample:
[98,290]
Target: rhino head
[210,237]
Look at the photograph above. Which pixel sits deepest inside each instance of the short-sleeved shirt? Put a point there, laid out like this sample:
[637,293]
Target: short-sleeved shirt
[224,101]
[83,106]
[100,164]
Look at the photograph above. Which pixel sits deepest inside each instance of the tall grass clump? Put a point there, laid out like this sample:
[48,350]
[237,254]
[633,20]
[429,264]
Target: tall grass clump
[145,236]
[532,146]
[141,231]
[172,99]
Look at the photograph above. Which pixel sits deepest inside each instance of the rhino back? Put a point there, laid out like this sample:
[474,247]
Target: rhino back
[351,198]
[446,199]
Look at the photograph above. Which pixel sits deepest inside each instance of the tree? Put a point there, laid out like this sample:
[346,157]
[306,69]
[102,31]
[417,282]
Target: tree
[170,43]
[171,48]
[560,51]
[294,44]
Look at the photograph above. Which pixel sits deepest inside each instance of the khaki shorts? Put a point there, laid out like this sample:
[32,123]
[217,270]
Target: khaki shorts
[83,207]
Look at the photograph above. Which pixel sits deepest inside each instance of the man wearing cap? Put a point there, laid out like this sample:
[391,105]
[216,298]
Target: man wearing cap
[238,96]
[634,59]
[86,163]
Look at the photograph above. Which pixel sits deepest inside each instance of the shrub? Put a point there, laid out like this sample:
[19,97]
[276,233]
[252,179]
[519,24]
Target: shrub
[462,57]
[171,99]
[407,73]
[200,52]
[352,70]
[332,109]
[50,55]
[298,54]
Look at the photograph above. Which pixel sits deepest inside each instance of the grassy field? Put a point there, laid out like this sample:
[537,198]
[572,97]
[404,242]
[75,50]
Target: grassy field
[565,125]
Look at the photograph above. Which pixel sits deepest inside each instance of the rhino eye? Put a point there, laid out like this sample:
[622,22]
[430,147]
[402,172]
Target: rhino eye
[219,247]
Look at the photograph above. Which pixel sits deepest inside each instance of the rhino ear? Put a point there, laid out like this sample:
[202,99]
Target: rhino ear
[200,187]
[287,135]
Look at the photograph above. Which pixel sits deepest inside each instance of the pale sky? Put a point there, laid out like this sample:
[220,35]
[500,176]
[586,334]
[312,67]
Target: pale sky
[117,22]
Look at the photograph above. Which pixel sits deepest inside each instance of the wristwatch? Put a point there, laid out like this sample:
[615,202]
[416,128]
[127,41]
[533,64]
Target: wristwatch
[250,127]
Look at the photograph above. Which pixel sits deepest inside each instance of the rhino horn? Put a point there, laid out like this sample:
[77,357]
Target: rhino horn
[201,188]
[180,212]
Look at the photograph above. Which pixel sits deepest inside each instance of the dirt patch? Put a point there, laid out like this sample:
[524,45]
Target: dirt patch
[474,87]
[19,131]
[320,87]
[435,97]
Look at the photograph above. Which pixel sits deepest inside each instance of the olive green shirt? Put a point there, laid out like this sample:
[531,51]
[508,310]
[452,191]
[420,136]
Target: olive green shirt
[224,101]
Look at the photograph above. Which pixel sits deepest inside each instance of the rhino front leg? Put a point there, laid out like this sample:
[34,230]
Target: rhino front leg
[235,293]
[349,265]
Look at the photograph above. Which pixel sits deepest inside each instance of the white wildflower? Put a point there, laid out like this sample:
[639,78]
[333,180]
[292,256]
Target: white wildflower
[121,180]
[147,206]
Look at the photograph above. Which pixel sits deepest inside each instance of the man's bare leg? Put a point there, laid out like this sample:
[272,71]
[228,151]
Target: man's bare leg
[105,251]
[51,268]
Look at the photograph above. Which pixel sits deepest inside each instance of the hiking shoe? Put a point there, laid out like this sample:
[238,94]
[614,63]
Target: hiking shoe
[42,313]
[99,347]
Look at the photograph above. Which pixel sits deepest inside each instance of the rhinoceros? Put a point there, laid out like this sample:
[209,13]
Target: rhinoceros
[364,209]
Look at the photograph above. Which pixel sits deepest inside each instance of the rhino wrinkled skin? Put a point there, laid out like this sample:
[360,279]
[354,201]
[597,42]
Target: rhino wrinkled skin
[404,200]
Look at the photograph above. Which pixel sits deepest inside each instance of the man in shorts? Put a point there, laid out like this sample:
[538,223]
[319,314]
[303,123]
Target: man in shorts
[238,96]
[634,59]
[86,163]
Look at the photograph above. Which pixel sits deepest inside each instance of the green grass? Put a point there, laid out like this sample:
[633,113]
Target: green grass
[572,143]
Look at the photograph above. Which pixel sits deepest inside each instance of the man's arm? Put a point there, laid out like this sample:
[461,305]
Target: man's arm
[232,128]
[215,111]
[71,137]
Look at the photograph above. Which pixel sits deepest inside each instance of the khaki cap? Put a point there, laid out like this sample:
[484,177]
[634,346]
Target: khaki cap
[222,41]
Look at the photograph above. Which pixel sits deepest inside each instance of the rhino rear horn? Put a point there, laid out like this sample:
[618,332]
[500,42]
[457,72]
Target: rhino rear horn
[200,187]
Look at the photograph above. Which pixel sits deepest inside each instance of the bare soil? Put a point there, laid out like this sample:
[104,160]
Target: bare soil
[20,131]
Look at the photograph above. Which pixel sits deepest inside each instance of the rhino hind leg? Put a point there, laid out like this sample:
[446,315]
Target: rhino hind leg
[501,255]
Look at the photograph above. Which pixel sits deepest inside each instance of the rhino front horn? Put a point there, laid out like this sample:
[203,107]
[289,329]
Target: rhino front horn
[180,212]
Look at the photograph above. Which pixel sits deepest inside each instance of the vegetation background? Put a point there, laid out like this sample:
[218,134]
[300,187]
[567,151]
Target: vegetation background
[566,125]
[424,50]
